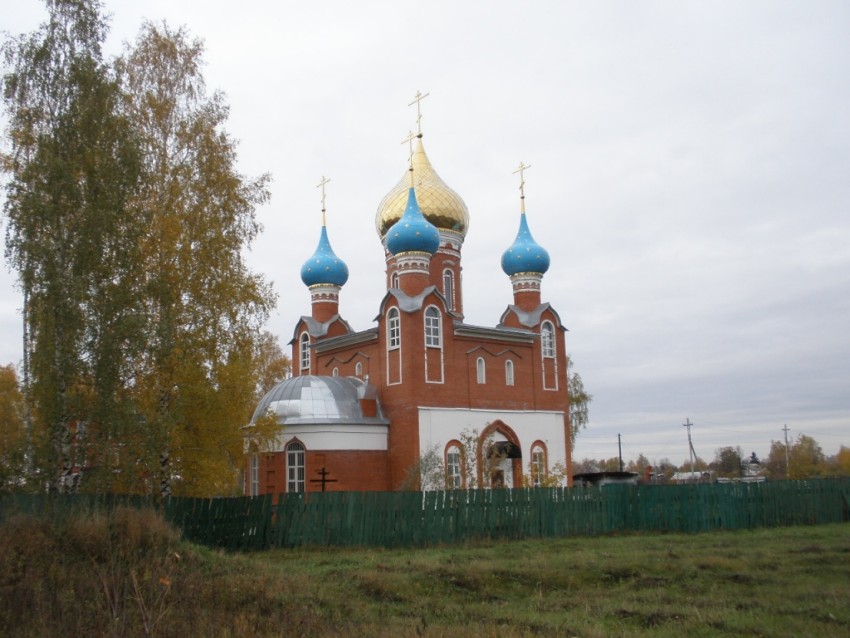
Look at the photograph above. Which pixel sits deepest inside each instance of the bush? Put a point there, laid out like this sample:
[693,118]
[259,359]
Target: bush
[125,572]
[101,573]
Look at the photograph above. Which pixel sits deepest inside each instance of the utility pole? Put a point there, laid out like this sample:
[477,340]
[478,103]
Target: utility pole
[787,460]
[688,425]
[620,449]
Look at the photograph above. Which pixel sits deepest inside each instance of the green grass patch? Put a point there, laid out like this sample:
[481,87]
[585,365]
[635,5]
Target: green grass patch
[127,573]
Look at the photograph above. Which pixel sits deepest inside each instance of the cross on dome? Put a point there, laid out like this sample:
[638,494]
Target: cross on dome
[437,202]
[409,140]
[417,100]
[521,170]
[321,185]
[324,267]
[525,255]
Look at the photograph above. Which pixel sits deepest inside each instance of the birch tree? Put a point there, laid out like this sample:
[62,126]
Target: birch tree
[579,400]
[73,170]
[204,307]
[13,438]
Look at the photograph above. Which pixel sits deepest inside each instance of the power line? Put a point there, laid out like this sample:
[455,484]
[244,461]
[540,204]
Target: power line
[620,450]
[688,425]
[787,463]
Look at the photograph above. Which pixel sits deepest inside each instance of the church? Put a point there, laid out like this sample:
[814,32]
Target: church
[421,394]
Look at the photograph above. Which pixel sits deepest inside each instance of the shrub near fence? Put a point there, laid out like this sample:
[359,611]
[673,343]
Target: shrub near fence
[412,519]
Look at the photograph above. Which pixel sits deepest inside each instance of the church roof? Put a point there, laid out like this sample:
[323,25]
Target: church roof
[525,254]
[324,267]
[413,233]
[530,318]
[405,302]
[318,328]
[310,399]
[499,333]
[440,205]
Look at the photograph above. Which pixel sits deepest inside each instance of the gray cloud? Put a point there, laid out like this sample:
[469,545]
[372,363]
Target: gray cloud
[689,177]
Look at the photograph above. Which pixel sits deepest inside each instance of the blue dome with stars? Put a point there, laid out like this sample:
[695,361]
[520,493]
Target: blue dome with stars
[412,232]
[525,254]
[324,267]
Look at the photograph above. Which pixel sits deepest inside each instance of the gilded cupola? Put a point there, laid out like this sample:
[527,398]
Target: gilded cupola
[438,203]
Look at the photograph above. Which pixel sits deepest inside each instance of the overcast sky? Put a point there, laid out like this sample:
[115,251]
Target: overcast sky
[690,178]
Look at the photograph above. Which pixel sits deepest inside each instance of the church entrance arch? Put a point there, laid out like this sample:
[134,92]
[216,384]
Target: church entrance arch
[499,457]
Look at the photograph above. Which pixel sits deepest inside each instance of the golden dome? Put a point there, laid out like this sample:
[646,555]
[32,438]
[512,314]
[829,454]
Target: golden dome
[439,204]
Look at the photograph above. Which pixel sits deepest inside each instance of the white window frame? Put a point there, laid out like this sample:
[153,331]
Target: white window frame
[449,287]
[393,329]
[547,340]
[296,468]
[538,464]
[454,479]
[509,372]
[304,350]
[433,328]
[481,370]
[358,369]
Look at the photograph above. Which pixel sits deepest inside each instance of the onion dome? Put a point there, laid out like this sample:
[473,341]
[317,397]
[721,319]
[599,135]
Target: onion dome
[324,267]
[525,254]
[413,233]
[439,204]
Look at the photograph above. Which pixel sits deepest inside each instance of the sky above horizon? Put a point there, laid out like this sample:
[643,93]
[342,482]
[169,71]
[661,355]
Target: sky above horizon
[690,178]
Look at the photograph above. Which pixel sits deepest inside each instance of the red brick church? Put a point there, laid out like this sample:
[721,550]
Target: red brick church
[486,405]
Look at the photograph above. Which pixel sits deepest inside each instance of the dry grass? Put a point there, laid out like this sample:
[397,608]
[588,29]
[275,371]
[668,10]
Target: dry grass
[127,574]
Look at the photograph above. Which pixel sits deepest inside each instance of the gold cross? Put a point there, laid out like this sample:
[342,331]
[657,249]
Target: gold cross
[409,140]
[419,97]
[321,185]
[521,171]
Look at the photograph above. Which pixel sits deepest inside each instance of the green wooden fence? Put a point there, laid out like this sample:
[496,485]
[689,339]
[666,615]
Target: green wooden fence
[413,519]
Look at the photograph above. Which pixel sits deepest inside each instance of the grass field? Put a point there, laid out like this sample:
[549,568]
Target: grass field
[128,574]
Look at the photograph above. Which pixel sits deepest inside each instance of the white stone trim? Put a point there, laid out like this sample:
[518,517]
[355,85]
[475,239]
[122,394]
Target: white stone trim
[327,437]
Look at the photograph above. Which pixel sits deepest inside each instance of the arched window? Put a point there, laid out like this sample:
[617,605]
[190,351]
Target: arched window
[304,347]
[481,370]
[547,339]
[394,280]
[509,372]
[454,478]
[538,468]
[295,469]
[433,336]
[393,329]
[335,372]
[449,288]
[358,369]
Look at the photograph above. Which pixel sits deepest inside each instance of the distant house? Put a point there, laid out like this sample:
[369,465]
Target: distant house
[690,477]
[605,478]
[751,469]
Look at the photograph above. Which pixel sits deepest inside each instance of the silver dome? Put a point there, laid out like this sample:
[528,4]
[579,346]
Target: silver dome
[313,399]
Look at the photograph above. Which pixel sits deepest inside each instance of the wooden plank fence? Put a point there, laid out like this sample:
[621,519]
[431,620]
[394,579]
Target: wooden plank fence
[415,519]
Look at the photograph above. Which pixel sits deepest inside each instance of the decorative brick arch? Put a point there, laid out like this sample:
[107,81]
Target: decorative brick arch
[499,427]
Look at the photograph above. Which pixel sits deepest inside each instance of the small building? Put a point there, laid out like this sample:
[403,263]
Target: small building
[598,479]
[691,477]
